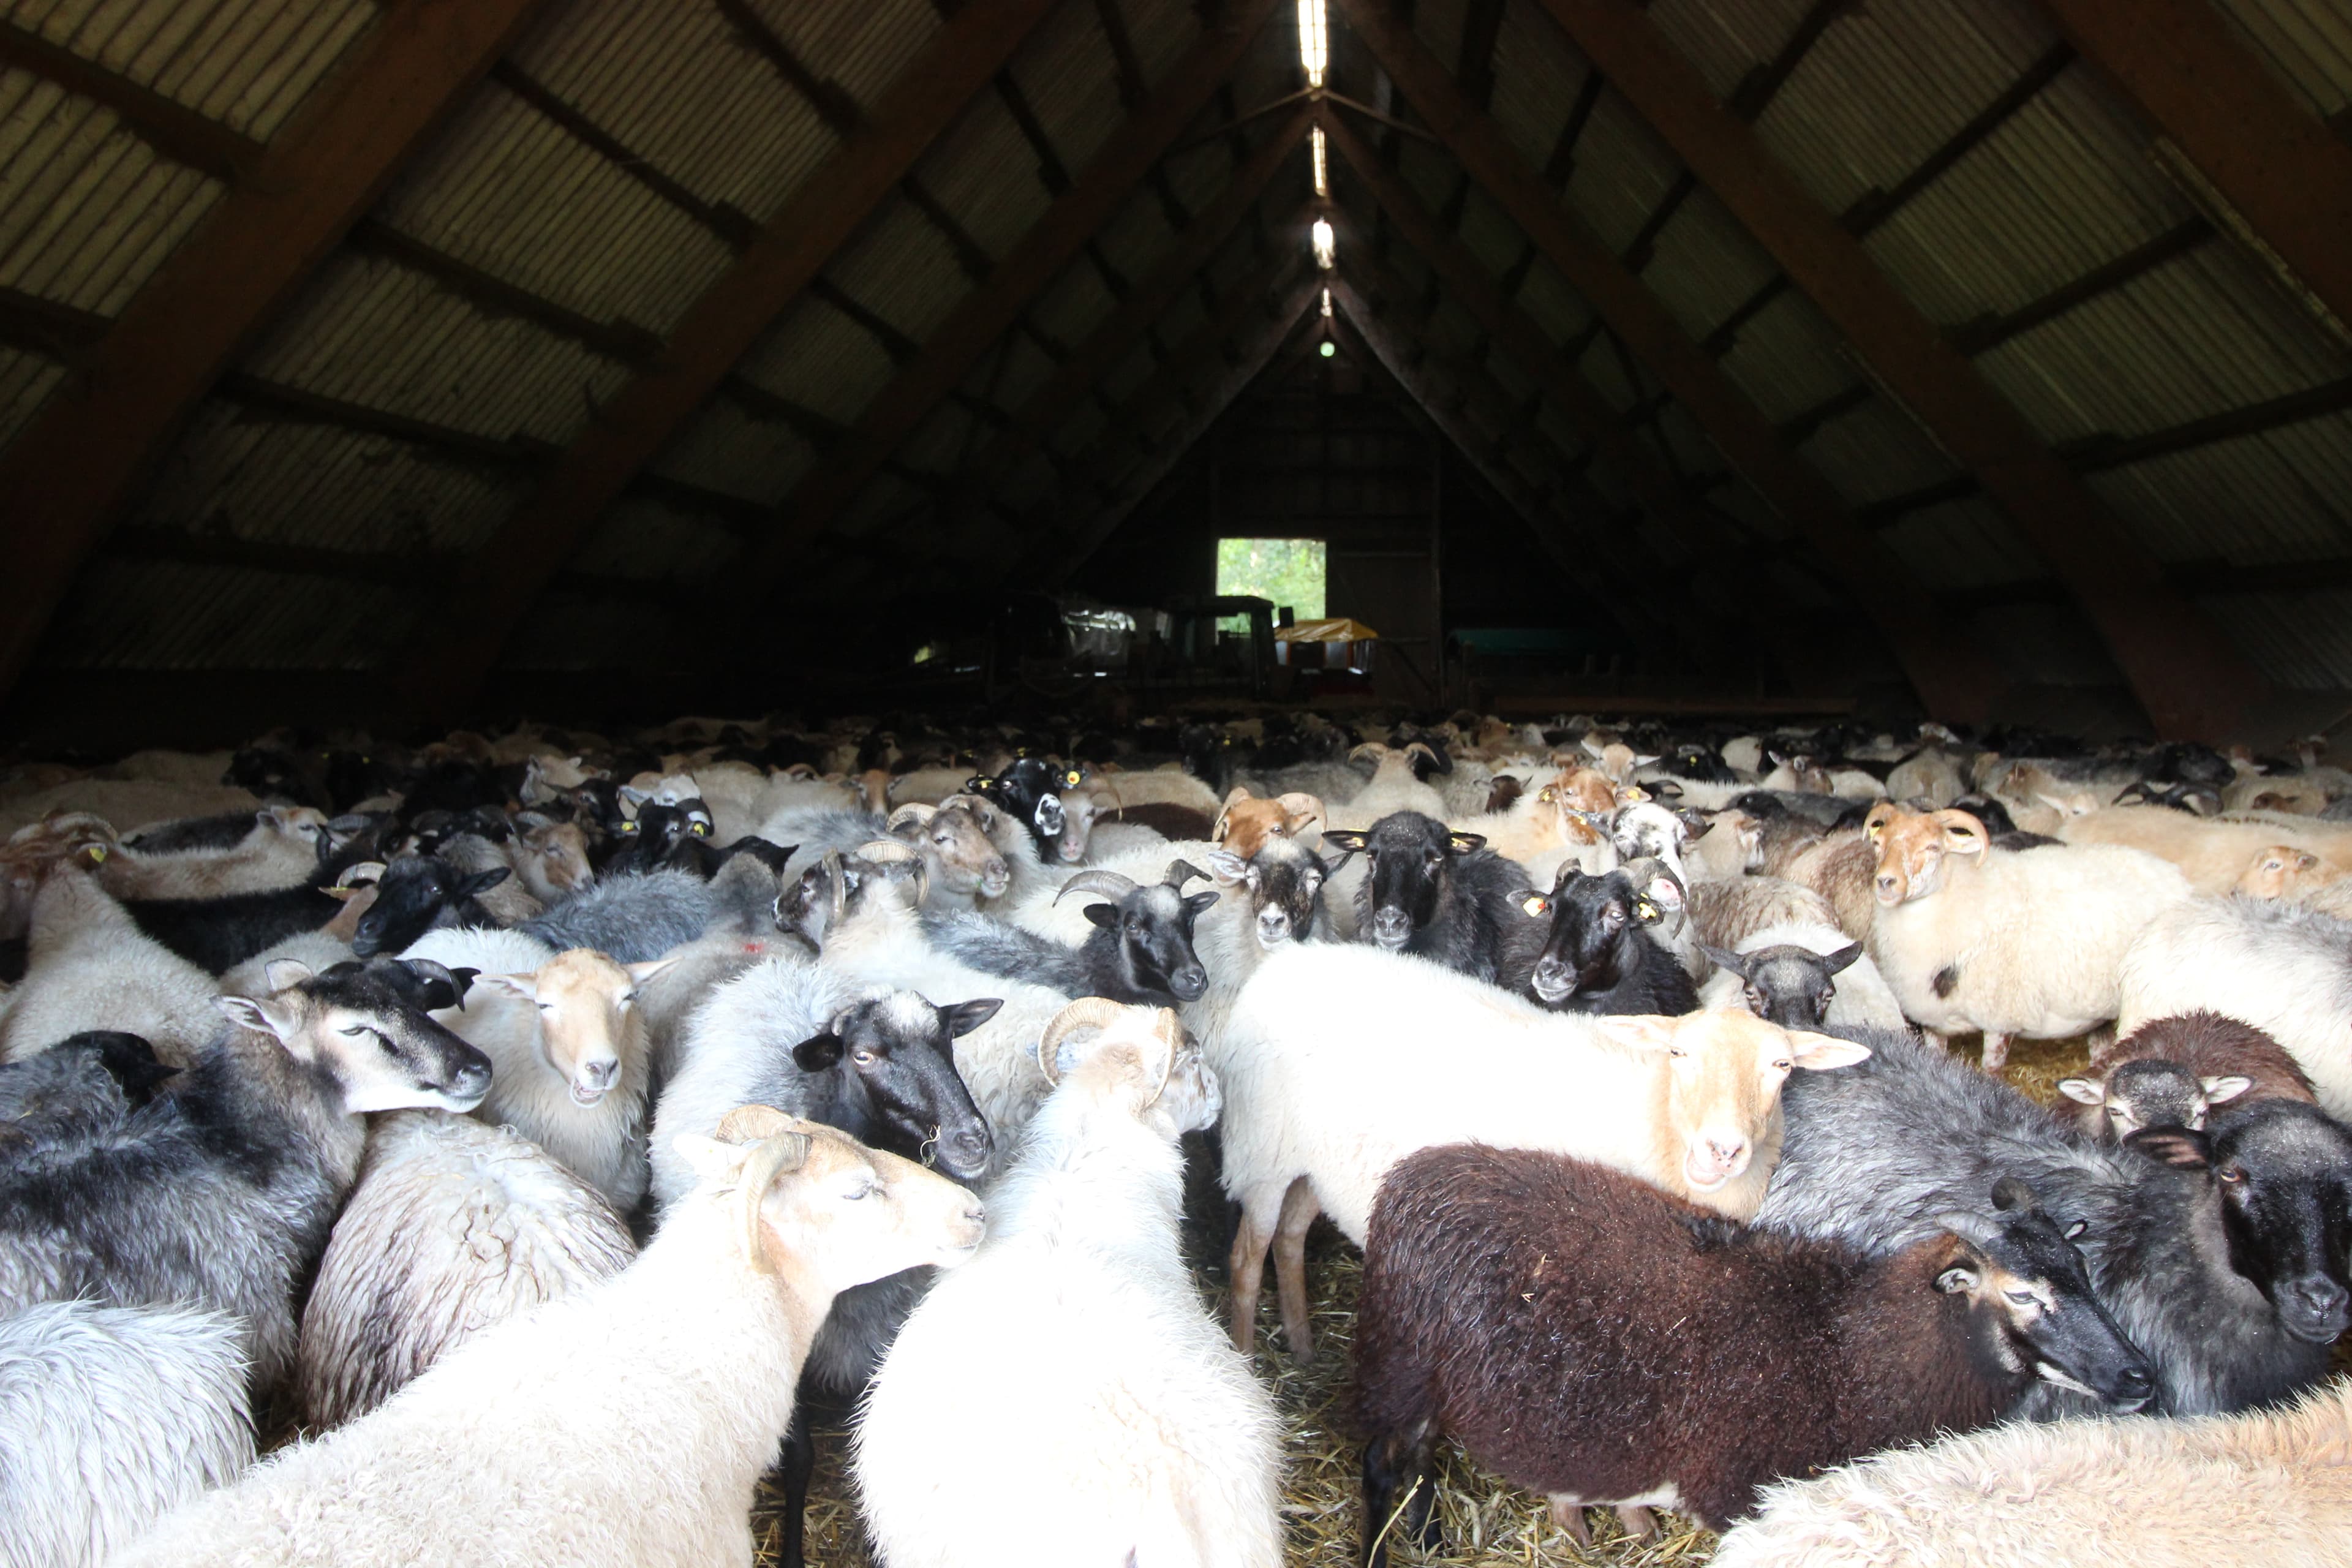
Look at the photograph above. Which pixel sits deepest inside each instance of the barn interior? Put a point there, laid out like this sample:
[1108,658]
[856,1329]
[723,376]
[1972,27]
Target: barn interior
[408,363]
[927,385]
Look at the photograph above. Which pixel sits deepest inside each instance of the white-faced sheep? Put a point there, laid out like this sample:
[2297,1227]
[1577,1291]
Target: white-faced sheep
[531,1442]
[1077,1336]
[1321,1036]
[88,966]
[453,1228]
[2012,943]
[569,1051]
[109,1419]
[2270,1487]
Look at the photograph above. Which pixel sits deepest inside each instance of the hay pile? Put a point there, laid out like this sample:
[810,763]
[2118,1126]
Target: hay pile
[1486,1521]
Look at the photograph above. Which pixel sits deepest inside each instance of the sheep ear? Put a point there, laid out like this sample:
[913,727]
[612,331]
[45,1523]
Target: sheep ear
[965,1016]
[1465,843]
[1226,866]
[1591,748]
[264,1012]
[1843,959]
[2083,1090]
[1822,1052]
[523,985]
[1958,1279]
[1727,962]
[1103,915]
[641,972]
[281,973]
[481,882]
[711,1160]
[1642,1033]
[2218,1089]
[1344,840]
[817,1053]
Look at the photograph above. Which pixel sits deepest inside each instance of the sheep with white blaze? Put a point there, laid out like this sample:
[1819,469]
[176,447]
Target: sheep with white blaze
[569,1050]
[109,1419]
[454,1226]
[530,1443]
[1077,1337]
[1321,1035]
[221,1191]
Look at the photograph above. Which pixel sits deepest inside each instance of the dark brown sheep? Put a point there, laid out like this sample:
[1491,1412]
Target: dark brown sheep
[1594,1339]
[2170,1071]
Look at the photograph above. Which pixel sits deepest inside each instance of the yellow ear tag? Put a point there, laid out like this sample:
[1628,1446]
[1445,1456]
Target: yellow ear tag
[1647,910]
[98,853]
[1547,794]
[1534,906]
[628,828]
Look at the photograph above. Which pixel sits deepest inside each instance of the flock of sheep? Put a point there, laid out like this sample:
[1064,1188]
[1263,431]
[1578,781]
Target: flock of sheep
[543,1120]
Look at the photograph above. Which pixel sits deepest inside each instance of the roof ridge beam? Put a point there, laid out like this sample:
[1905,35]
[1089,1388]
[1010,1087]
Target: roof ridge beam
[2190,677]
[492,595]
[2280,171]
[1056,239]
[1953,677]
[77,464]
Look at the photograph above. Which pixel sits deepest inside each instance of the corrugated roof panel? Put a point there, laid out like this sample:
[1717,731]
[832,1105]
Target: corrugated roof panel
[820,359]
[865,46]
[636,537]
[1066,72]
[1705,264]
[87,211]
[725,448]
[2300,641]
[246,63]
[1724,42]
[1160,30]
[677,87]
[882,502]
[1886,86]
[900,267]
[946,440]
[1135,237]
[1536,81]
[1788,359]
[1965,543]
[145,615]
[2245,500]
[2307,44]
[1622,172]
[333,490]
[2060,189]
[1071,304]
[982,170]
[1876,450]
[1131,370]
[1020,371]
[26,382]
[507,190]
[1554,307]
[372,333]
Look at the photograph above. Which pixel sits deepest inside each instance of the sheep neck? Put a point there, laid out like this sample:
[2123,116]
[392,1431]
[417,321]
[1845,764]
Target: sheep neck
[1922,1369]
[1089,1175]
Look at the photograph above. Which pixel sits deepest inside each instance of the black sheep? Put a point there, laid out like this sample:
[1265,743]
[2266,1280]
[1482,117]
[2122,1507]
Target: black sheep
[1594,1339]
[1431,891]
[1140,950]
[1584,947]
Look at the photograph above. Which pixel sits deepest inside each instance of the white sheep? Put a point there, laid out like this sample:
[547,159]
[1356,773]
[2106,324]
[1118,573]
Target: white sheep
[569,1064]
[2212,852]
[109,1419]
[2271,1487]
[2282,968]
[1075,1338]
[626,1425]
[1394,787]
[2027,943]
[279,850]
[454,1228]
[1339,1060]
[88,966]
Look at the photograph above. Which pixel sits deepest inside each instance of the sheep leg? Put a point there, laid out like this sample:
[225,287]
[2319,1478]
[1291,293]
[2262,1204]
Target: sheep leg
[1397,1475]
[795,1463]
[1996,1052]
[1246,1270]
[1299,1208]
[1638,1521]
[1568,1514]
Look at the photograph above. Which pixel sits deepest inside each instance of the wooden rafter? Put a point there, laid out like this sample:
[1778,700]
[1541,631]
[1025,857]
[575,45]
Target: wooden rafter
[78,463]
[1953,677]
[1069,224]
[2282,169]
[781,259]
[1077,376]
[172,128]
[2191,679]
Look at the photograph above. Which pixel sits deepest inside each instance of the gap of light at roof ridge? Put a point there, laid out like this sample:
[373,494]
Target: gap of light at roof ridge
[1326,304]
[1322,163]
[1314,41]
[1326,244]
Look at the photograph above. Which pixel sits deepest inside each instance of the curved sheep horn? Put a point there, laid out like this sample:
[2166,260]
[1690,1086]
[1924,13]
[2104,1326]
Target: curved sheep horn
[769,1158]
[839,883]
[911,812]
[1372,748]
[1182,871]
[1085,1012]
[1423,747]
[887,852]
[1170,1031]
[1109,884]
[366,870]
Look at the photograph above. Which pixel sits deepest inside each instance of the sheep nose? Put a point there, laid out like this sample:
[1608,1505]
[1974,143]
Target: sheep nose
[2134,1383]
[2320,1301]
[474,1077]
[1272,925]
[1887,883]
[1728,1154]
[1189,982]
[1391,925]
[601,1074]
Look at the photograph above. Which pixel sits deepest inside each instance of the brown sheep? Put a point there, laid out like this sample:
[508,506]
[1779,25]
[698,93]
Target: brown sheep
[2212,1060]
[1592,1338]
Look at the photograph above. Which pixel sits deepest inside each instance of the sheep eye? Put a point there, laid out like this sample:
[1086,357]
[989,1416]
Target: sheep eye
[862,1058]
[2022,1297]
[2234,1174]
